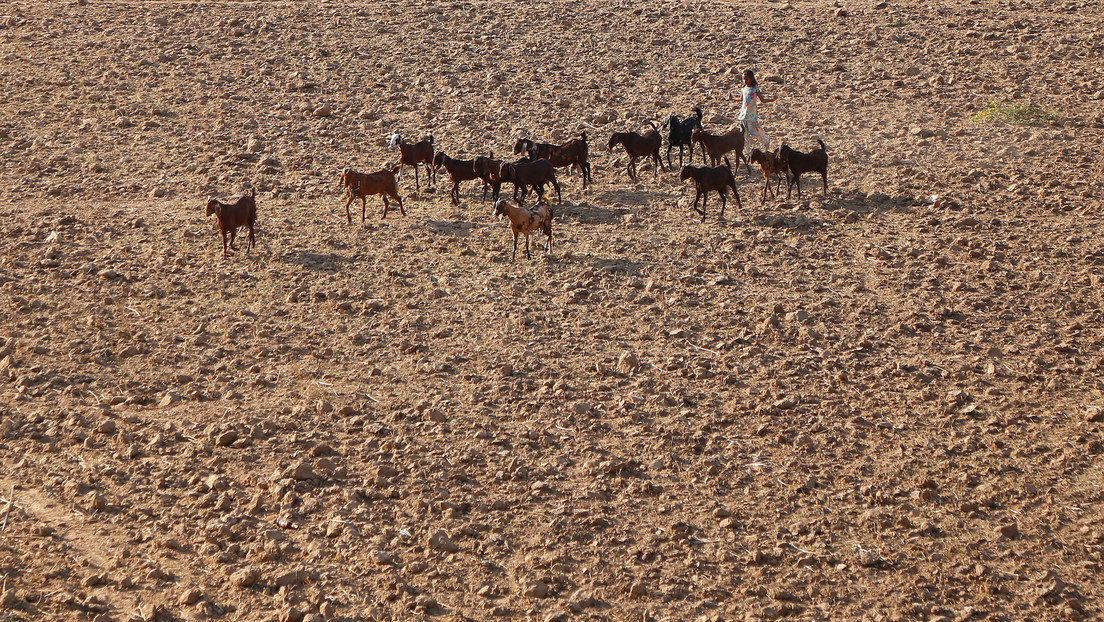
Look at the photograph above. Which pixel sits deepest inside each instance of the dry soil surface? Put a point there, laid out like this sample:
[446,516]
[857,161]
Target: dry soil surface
[882,403]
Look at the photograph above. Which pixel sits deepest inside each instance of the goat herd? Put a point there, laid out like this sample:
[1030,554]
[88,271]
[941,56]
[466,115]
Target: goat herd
[537,167]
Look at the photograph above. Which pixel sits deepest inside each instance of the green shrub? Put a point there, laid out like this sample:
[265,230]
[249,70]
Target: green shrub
[1014,114]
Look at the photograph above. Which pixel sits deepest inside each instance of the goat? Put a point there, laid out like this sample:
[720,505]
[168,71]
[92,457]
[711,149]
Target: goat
[534,173]
[771,164]
[710,178]
[232,216]
[639,146]
[816,161]
[458,171]
[717,145]
[382,182]
[524,220]
[420,152]
[679,135]
[490,171]
[573,154]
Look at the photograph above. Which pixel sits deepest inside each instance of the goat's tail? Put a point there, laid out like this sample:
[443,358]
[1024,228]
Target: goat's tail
[698,113]
[652,123]
[253,191]
[821,143]
[430,139]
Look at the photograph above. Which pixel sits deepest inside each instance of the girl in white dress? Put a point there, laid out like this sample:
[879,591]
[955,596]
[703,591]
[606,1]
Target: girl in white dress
[749,115]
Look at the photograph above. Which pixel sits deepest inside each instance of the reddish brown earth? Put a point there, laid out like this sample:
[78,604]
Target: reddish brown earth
[879,404]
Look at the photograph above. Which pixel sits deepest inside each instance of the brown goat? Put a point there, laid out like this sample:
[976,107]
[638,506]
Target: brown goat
[574,154]
[534,173]
[717,145]
[522,220]
[708,179]
[232,216]
[816,161]
[639,146]
[458,171]
[771,164]
[420,152]
[382,182]
[490,171]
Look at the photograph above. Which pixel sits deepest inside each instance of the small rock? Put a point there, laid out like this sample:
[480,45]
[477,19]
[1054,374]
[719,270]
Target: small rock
[1011,531]
[322,111]
[157,193]
[107,427]
[638,590]
[291,577]
[442,542]
[536,589]
[190,597]
[290,614]
[301,472]
[169,399]
[628,362]
[226,438]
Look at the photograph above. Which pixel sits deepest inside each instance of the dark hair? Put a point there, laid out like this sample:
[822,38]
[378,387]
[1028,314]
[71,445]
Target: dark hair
[750,75]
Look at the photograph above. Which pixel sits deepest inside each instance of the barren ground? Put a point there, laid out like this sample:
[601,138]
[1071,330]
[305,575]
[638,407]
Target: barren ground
[879,404]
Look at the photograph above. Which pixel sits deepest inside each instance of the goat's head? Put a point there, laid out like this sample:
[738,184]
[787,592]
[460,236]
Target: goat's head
[346,174]
[500,207]
[522,145]
[672,121]
[212,205]
[438,159]
[696,134]
[756,156]
[615,139]
[394,140]
[686,173]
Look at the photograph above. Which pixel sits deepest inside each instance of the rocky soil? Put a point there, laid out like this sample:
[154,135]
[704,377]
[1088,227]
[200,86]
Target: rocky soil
[883,403]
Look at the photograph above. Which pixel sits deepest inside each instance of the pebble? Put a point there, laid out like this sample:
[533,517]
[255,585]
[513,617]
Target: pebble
[537,589]
[1009,531]
[442,542]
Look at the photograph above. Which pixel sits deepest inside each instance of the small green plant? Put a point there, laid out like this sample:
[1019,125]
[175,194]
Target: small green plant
[1014,114]
[897,23]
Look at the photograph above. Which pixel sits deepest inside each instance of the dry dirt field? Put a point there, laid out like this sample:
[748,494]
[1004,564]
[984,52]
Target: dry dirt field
[883,403]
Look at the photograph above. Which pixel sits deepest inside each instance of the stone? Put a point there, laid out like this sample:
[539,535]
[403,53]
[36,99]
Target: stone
[536,589]
[628,362]
[442,542]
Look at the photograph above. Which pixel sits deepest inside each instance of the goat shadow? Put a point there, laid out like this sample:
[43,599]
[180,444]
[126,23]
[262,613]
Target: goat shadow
[319,262]
[457,228]
[633,197]
[591,214]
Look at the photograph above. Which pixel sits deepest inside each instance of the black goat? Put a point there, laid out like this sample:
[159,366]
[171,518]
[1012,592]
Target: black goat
[679,135]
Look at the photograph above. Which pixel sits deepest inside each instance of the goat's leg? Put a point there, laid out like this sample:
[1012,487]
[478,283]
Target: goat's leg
[224,251]
[363,207]
[736,193]
[252,240]
[723,202]
[528,255]
[824,175]
[347,214]
[233,236]
[632,168]
[455,192]
[559,196]
[705,199]
[515,246]
[398,200]
[417,185]
[670,146]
